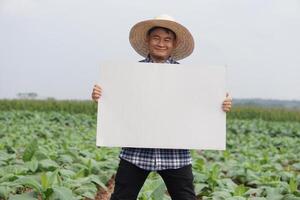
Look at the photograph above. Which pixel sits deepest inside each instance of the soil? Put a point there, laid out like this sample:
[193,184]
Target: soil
[105,194]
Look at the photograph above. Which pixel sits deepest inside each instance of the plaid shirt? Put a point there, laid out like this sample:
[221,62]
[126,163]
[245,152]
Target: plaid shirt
[157,159]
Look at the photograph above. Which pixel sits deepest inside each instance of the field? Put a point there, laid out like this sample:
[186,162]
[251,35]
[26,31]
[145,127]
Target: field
[47,151]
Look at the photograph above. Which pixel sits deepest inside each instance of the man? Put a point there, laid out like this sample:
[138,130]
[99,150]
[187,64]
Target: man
[161,40]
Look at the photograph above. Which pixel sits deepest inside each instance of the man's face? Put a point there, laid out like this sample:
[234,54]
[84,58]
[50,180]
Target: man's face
[161,44]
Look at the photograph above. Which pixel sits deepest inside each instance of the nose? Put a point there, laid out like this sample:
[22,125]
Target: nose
[161,43]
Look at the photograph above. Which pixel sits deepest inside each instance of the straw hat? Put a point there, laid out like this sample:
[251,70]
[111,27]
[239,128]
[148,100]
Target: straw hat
[138,36]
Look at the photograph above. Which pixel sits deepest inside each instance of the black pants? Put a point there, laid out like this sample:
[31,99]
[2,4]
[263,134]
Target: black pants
[130,179]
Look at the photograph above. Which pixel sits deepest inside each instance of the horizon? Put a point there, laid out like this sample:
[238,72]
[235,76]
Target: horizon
[234,99]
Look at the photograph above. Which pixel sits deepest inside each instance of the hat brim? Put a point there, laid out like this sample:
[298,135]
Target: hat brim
[184,39]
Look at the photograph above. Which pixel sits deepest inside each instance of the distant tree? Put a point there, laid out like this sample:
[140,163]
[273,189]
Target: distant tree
[27,95]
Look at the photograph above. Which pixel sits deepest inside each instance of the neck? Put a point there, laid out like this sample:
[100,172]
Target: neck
[158,59]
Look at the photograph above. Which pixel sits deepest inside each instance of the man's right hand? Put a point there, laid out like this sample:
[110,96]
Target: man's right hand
[96,94]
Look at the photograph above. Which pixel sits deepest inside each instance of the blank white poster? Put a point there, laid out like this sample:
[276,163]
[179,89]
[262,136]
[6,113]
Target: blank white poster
[152,105]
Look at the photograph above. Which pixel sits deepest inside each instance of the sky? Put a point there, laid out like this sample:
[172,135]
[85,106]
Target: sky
[55,47]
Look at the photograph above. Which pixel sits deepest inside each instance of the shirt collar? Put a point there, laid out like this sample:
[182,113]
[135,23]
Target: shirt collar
[170,60]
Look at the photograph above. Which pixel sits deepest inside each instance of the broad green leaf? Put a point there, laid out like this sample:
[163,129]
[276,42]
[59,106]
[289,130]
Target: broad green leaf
[19,169]
[293,185]
[97,180]
[297,166]
[236,198]
[2,163]
[30,149]
[32,165]
[41,155]
[65,159]
[199,187]
[8,177]
[87,189]
[48,165]
[61,193]
[221,195]
[239,190]
[227,183]
[53,177]
[79,174]
[90,195]
[214,172]
[5,157]
[273,194]
[48,179]
[199,164]
[4,192]
[159,190]
[290,197]
[31,183]
[67,173]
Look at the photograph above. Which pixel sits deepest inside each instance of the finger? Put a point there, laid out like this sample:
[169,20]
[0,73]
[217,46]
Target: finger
[97,92]
[97,86]
[96,96]
[226,106]
[97,89]
[227,100]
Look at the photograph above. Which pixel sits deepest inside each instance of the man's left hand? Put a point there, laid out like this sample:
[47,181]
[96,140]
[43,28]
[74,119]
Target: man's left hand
[227,103]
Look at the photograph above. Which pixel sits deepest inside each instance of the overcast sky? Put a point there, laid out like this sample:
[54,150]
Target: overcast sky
[55,47]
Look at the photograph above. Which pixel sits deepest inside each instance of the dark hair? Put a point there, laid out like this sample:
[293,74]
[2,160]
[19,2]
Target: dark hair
[165,29]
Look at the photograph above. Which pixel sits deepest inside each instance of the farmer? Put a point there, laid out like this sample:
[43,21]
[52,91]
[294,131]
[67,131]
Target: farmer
[160,40]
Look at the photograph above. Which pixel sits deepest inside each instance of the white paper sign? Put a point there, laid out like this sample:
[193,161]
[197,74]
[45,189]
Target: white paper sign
[161,106]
